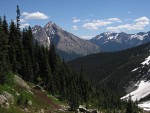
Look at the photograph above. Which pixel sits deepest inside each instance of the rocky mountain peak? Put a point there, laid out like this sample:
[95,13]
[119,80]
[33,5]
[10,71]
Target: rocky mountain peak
[119,41]
[41,36]
[68,45]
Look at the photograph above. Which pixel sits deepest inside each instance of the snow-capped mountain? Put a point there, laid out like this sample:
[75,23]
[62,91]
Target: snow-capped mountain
[68,45]
[119,41]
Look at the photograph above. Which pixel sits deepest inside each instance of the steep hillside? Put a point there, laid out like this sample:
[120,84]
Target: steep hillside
[68,45]
[24,97]
[120,41]
[115,70]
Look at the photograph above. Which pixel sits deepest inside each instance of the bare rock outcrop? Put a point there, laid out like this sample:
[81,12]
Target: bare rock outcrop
[21,83]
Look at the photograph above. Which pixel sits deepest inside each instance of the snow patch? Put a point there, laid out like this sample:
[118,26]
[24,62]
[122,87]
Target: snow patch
[48,39]
[147,61]
[105,42]
[116,36]
[140,37]
[107,33]
[99,37]
[110,37]
[53,32]
[134,69]
[145,105]
[142,91]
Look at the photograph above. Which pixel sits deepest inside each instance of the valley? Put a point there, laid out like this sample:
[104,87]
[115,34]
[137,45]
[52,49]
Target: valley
[75,56]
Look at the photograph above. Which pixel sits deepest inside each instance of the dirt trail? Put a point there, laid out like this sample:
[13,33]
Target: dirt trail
[43,97]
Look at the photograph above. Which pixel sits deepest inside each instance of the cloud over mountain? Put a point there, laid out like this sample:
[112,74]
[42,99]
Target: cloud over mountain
[36,15]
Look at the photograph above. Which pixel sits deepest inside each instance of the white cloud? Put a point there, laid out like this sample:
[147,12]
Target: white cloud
[74,27]
[138,24]
[142,19]
[24,25]
[75,20]
[95,24]
[22,20]
[86,37]
[129,12]
[36,15]
[114,19]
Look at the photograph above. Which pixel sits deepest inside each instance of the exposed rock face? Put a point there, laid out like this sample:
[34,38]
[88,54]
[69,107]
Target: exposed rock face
[68,45]
[41,36]
[6,99]
[3,101]
[8,96]
[21,82]
[37,87]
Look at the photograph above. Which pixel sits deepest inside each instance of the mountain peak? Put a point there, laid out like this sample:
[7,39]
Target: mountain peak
[51,25]
[68,45]
[109,41]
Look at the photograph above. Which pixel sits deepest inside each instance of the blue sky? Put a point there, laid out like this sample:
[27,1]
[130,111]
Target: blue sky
[84,18]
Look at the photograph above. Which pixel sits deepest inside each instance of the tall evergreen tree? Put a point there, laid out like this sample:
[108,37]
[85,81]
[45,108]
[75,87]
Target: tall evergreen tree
[129,107]
[19,47]
[18,17]
[6,31]
[1,21]
[73,97]
[5,25]
[13,49]
[4,68]
[27,42]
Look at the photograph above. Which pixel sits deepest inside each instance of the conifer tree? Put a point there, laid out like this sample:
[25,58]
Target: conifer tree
[4,68]
[129,107]
[1,21]
[5,25]
[6,31]
[12,47]
[18,18]
[73,98]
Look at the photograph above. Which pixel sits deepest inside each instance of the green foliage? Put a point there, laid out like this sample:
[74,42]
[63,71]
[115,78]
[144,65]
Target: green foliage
[20,100]
[9,78]
[131,107]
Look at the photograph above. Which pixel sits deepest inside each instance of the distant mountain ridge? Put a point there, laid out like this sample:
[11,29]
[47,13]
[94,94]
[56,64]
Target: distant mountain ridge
[68,45]
[109,41]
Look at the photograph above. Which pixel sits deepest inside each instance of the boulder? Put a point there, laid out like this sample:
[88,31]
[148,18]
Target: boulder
[3,99]
[8,96]
[21,82]
[65,108]
[30,102]
[94,111]
[41,111]
[4,102]
[26,110]
[82,108]
[7,106]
